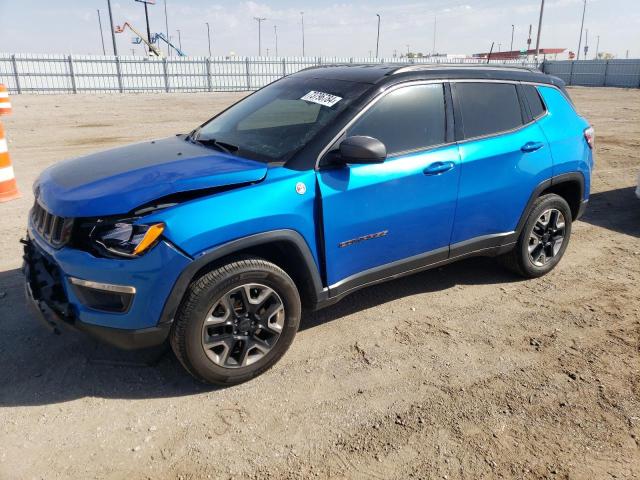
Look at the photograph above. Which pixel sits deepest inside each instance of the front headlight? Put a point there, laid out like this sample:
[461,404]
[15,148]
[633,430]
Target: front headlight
[124,237]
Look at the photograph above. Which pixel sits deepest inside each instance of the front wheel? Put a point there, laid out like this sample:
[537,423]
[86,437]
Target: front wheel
[236,321]
[544,238]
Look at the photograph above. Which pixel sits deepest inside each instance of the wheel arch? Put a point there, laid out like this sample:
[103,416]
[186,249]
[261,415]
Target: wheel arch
[285,248]
[569,186]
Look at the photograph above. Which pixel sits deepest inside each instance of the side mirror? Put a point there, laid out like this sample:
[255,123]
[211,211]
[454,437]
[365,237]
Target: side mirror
[362,149]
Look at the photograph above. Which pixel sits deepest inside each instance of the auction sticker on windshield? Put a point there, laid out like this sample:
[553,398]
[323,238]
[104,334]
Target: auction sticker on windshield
[321,98]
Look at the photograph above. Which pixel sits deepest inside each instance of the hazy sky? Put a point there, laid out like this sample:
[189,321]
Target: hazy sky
[345,28]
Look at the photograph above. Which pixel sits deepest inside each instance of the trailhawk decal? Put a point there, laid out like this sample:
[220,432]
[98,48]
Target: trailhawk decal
[321,98]
[371,236]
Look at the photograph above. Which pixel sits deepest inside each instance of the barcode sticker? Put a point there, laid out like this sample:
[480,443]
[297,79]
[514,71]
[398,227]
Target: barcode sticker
[321,98]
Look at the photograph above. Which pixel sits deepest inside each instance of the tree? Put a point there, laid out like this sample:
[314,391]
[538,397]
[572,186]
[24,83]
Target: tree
[606,56]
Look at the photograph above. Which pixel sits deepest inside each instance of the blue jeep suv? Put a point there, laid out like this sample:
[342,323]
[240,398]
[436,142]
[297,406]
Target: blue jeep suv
[323,182]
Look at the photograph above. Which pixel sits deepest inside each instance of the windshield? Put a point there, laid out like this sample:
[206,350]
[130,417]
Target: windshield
[275,122]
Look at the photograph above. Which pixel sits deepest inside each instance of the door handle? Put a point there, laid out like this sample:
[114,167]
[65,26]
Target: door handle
[531,146]
[437,168]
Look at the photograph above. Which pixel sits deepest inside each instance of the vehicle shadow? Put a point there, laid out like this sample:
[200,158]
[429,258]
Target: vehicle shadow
[617,210]
[39,367]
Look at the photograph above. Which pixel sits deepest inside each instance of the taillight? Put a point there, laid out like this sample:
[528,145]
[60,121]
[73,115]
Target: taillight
[590,136]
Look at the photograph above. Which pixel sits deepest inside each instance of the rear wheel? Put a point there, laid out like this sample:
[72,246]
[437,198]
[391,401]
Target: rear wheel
[236,321]
[544,238]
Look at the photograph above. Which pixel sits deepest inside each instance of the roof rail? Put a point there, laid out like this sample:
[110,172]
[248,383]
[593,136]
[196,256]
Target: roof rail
[479,66]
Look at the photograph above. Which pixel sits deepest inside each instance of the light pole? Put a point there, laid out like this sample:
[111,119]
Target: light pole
[259,20]
[208,37]
[378,37]
[435,27]
[513,29]
[104,52]
[166,27]
[179,38]
[113,32]
[586,43]
[539,28]
[597,46]
[302,21]
[275,32]
[584,9]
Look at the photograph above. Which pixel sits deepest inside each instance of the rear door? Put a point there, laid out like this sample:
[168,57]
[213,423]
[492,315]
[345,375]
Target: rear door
[504,156]
[378,214]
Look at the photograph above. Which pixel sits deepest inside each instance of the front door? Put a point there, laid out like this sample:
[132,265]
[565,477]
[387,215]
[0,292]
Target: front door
[378,214]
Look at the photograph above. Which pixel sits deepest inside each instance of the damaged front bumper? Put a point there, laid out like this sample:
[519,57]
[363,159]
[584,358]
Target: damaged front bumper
[60,299]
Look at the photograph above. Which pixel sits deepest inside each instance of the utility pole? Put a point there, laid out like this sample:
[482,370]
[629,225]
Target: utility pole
[513,29]
[539,30]
[586,43]
[435,27]
[499,47]
[275,32]
[208,37]
[104,52]
[267,51]
[529,41]
[146,16]
[259,20]
[302,19]
[378,37]
[113,31]
[407,50]
[597,46]
[179,38]
[166,26]
[584,9]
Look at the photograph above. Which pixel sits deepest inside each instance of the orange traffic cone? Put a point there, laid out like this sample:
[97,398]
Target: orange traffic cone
[5,103]
[8,186]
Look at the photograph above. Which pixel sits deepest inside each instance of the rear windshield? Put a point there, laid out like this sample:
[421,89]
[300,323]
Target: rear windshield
[275,122]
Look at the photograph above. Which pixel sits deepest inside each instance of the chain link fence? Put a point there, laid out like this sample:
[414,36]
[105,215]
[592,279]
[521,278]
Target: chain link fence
[37,73]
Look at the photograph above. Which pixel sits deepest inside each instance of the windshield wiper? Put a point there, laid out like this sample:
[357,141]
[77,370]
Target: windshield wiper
[222,146]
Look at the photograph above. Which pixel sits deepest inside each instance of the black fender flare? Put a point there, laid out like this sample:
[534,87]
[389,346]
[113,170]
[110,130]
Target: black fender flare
[292,237]
[571,177]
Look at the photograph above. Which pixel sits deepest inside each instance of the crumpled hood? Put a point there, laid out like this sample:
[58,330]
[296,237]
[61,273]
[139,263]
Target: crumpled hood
[117,181]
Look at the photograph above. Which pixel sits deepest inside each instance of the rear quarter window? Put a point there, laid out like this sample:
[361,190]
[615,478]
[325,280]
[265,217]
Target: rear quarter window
[536,105]
[488,108]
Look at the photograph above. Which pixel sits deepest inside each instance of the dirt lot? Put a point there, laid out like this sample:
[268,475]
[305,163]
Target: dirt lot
[461,372]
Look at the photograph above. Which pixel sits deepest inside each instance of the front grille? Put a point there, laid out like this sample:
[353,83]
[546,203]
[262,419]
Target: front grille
[55,230]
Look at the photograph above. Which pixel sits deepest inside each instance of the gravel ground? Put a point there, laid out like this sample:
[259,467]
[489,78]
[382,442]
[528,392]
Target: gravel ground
[461,372]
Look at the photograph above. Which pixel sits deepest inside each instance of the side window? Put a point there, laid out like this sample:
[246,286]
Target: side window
[409,118]
[533,99]
[488,108]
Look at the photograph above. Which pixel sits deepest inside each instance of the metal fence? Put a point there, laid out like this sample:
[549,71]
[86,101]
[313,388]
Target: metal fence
[596,73]
[37,73]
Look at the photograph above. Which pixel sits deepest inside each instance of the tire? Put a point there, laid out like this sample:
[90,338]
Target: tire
[252,311]
[532,264]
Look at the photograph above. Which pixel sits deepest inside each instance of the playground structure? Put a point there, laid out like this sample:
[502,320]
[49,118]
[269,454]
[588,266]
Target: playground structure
[155,39]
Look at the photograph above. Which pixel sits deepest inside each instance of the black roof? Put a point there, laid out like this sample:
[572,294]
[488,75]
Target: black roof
[384,73]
